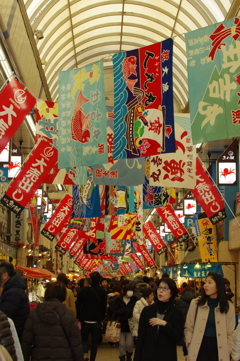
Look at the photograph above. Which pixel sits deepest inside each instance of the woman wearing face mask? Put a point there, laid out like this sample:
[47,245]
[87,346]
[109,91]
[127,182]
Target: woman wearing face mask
[210,323]
[160,326]
[123,310]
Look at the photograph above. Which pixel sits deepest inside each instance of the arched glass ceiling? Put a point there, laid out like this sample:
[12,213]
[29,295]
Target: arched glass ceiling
[78,32]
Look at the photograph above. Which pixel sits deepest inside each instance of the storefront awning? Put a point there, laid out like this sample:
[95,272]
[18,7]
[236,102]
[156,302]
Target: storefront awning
[36,273]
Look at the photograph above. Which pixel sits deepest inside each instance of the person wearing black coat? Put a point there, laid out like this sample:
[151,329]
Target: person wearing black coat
[51,332]
[123,307]
[160,326]
[14,301]
[183,303]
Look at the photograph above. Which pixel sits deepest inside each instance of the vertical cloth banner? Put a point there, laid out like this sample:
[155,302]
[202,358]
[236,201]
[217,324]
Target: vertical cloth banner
[214,103]
[171,219]
[82,136]
[208,196]
[34,216]
[141,248]
[207,241]
[66,240]
[176,169]
[30,177]
[15,104]
[137,260]
[58,219]
[143,101]
[153,237]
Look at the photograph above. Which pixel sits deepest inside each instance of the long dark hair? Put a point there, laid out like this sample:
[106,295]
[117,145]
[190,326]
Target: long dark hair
[223,302]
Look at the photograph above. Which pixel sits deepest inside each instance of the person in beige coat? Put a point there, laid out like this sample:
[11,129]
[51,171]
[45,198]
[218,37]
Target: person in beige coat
[70,300]
[144,301]
[210,323]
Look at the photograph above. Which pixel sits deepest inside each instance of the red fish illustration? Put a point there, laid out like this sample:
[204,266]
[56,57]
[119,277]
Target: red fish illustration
[80,125]
[129,68]
[168,131]
[12,165]
[227,172]
[189,206]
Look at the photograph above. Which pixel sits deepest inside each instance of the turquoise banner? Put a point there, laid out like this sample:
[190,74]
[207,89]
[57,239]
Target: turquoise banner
[191,272]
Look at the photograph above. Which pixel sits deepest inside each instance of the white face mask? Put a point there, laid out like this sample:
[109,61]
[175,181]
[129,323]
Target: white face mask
[129,293]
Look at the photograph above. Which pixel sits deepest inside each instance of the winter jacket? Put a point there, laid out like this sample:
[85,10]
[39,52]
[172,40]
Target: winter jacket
[14,302]
[6,338]
[158,343]
[139,306]
[91,304]
[123,311]
[236,345]
[44,338]
[70,301]
[183,303]
[195,325]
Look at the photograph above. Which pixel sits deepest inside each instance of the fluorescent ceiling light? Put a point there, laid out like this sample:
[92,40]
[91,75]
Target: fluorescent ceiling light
[31,124]
[150,215]
[6,67]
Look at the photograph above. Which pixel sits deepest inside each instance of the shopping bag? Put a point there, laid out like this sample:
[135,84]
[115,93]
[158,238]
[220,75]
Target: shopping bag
[131,324]
[113,331]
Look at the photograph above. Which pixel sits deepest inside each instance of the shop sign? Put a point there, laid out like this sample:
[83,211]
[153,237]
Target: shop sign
[227,166]
[191,272]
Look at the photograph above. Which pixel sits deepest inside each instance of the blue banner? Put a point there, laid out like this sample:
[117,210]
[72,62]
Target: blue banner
[191,272]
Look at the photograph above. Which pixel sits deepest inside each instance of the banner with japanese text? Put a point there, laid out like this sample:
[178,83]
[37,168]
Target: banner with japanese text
[171,219]
[153,236]
[214,102]
[58,219]
[47,126]
[141,248]
[207,241]
[127,172]
[86,201]
[82,138]
[176,169]
[143,101]
[191,272]
[15,104]
[137,260]
[208,196]
[67,240]
[30,177]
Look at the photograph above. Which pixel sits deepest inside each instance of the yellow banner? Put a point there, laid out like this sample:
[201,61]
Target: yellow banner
[207,241]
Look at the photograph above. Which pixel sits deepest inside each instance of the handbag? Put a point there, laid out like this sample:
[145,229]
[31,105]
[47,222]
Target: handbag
[113,331]
[131,324]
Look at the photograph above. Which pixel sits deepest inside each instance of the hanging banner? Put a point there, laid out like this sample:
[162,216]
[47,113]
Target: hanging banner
[127,172]
[227,166]
[30,177]
[33,210]
[16,103]
[153,236]
[82,136]
[171,219]
[176,169]
[143,99]
[123,226]
[67,240]
[86,201]
[95,246]
[207,241]
[137,260]
[77,246]
[208,196]
[58,219]
[214,103]
[47,126]
[191,272]
[141,248]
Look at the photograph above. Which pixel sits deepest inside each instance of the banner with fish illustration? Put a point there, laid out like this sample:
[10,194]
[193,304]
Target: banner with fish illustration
[143,101]
[214,102]
[47,127]
[127,172]
[176,169]
[82,138]
[95,246]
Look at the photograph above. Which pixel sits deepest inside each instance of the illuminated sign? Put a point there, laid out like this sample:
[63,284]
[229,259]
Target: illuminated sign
[227,166]
[189,207]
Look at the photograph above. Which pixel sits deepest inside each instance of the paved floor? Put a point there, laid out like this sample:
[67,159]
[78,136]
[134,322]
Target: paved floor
[108,353]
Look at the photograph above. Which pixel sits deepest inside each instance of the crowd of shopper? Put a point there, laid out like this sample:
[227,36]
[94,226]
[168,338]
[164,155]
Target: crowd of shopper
[154,315]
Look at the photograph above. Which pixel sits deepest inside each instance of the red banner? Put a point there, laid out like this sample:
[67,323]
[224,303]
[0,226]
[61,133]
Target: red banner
[208,196]
[128,268]
[30,177]
[59,217]
[137,260]
[67,239]
[153,237]
[123,269]
[169,216]
[16,103]
[77,246]
[141,248]
[34,220]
